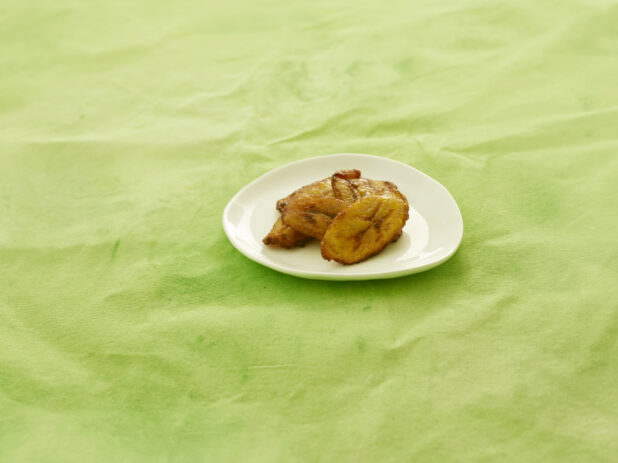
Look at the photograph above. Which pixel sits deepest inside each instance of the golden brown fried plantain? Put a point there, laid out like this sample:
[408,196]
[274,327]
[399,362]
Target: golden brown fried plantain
[350,189]
[311,215]
[355,217]
[366,186]
[364,228]
[285,237]
[342,188]
[321,188]
[348,174]
[310,209]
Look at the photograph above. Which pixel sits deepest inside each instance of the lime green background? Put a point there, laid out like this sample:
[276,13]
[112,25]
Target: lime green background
[131,330]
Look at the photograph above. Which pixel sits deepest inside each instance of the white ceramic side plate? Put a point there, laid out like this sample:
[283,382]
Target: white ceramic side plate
[431,235]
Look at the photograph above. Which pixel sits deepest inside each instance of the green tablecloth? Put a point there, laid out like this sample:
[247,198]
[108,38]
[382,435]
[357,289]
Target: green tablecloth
[131,330]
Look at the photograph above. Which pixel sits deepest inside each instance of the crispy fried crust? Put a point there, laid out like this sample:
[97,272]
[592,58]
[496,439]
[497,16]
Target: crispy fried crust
[343,189]
[366,186]
[348,174]
[321,188]
[312,215]
[364,228]
[284,236]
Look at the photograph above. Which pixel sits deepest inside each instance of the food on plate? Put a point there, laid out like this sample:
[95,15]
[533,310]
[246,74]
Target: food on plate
[310,209]
[364,228]
[285,237]
[365,186]
[321,188]
[312,215]
[342,187]
[347,174]
[354,217]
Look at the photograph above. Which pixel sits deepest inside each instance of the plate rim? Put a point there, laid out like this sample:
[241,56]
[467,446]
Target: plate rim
[333,276]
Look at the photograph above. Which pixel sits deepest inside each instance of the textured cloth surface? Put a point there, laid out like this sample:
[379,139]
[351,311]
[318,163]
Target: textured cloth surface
[131,330]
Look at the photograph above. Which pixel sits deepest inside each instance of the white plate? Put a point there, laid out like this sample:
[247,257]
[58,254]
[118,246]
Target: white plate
[431,235]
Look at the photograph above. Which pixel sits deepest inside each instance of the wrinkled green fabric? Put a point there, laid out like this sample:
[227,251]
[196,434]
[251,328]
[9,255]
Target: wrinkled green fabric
[130,328]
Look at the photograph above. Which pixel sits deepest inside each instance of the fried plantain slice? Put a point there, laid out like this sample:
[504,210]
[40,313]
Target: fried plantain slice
[366,186]
[348,174]
[364,228]
[284,236]
[311,215]
[321,188]
[343,189]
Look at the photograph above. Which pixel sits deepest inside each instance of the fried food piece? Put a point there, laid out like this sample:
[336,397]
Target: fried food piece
[348,174]
[312,215]
[310,209]
[342,188]
[321,188]
[354,217]
[349,187]
[284,236]
[366,186]
[364,228]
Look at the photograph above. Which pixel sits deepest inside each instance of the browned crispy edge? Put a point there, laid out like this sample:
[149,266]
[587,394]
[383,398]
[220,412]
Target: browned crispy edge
[284,236]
